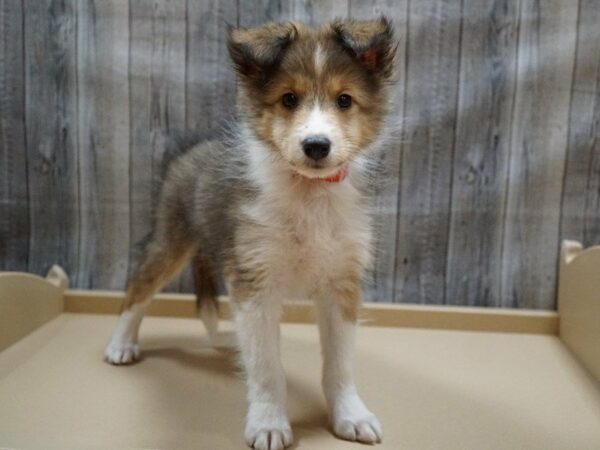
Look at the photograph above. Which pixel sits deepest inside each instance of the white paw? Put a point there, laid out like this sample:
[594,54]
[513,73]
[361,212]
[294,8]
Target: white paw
[354,422]
[366,430]
[267,428]
[119,354]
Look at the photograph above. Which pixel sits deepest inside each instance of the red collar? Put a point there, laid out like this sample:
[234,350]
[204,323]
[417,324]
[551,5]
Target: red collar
[340,175]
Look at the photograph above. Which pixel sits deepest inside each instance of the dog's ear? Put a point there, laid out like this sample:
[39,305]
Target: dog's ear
[257,51]
[371,42]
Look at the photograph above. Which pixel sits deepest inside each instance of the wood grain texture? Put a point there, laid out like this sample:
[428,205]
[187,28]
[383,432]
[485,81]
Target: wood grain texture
[494,154]
[315,13]
[51,134]
[103,101]
[210,98]
[156,101]
[480,165]
[258,12]
[538,150]
[380,283]
[581,196]
[306,11]
[430,104]
[14,201]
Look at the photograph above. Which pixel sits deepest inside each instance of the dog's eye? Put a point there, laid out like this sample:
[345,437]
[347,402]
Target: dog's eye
[344,101]
[289,100]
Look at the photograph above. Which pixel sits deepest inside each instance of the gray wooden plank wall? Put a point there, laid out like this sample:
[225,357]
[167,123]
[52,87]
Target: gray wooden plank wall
[496,148]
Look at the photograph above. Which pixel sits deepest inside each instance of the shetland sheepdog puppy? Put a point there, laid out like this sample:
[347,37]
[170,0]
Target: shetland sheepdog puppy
[278,207]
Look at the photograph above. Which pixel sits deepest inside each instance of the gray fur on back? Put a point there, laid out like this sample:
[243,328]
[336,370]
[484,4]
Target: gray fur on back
[205,184]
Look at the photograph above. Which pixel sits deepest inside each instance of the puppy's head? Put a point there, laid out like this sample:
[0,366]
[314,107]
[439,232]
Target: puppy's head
[316,97]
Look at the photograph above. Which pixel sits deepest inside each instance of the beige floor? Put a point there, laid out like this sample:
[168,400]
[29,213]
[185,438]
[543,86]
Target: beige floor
[431,389]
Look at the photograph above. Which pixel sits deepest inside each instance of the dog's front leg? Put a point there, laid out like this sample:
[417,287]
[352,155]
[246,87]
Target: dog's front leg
[348,414]
[257,327]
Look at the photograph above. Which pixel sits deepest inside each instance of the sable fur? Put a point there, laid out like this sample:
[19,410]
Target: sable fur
[250,207]
[190,212]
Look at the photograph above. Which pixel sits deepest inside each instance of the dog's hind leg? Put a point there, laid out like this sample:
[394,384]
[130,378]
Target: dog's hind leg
[167,252]
[206,294]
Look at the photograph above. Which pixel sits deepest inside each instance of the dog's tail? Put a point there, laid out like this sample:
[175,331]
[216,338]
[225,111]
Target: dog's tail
[207,302]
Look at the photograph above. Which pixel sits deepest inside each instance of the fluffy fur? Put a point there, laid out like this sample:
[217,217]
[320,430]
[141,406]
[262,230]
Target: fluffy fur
[253,208]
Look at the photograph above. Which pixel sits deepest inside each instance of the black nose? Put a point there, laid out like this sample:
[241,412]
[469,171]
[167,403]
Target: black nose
[316,147]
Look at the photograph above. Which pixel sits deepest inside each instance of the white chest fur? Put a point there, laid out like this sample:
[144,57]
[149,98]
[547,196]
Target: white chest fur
[306,232]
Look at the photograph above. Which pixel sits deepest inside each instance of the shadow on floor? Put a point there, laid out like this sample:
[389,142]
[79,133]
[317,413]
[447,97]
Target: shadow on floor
[200,356]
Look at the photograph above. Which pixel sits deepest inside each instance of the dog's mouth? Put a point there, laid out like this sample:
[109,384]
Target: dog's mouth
[329,174]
